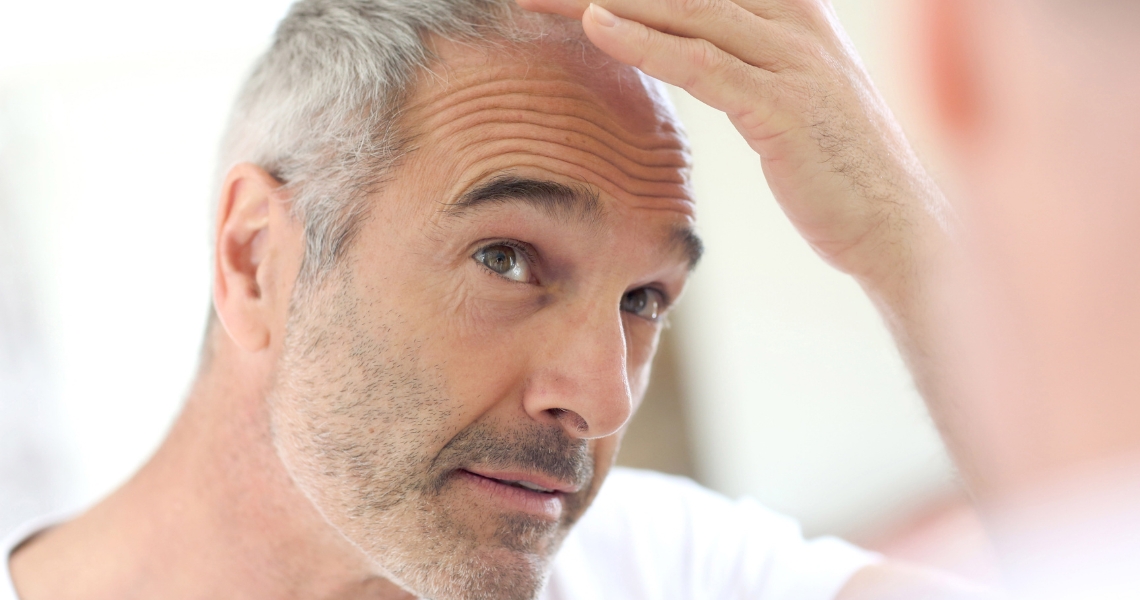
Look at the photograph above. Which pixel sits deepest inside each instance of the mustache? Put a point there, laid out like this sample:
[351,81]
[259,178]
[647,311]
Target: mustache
[531,447]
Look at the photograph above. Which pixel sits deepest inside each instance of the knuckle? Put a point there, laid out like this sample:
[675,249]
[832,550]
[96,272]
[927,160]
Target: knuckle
[808,14]
[704,56]
[693,9]
[681,16]
[740,76]
[803,51]
[646,44]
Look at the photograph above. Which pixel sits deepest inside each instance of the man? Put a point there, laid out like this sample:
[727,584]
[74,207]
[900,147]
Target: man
[447,237]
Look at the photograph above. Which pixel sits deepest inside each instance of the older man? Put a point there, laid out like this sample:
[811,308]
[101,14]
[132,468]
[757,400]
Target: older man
[447,237]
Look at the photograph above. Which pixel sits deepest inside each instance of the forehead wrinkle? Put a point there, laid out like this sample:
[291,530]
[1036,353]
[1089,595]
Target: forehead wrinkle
[558,200]
[674,158]
[515,92]
[638,148]
[631,169]
[605,170]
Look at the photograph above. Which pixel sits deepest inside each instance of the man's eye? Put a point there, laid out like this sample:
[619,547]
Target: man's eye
[646,303]
[505,261]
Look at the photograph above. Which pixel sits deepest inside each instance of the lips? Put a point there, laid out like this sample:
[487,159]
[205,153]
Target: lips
[517,492]
[533,482]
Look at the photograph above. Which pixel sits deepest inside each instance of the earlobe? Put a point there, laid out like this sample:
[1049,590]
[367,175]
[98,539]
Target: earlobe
[243,277]
[952,65]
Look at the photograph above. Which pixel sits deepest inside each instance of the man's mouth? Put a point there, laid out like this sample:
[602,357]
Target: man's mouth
[528,492]
[534,482]
[526,485]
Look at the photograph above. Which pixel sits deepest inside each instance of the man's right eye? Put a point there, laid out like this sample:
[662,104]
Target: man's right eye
[504,260]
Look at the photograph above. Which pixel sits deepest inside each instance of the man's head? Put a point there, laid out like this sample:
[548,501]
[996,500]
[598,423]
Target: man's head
[445,254]
[1038,99]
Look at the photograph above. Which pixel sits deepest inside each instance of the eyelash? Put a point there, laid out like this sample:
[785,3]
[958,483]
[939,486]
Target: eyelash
[668,301]
[525,249]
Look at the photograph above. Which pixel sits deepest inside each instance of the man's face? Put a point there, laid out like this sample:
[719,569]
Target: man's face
[493,322]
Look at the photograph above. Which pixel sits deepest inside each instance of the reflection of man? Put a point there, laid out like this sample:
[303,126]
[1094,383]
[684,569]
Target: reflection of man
[437,293]
[1038,100]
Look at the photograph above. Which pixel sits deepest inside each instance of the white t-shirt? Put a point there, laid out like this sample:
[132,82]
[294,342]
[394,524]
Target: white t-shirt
[650,536]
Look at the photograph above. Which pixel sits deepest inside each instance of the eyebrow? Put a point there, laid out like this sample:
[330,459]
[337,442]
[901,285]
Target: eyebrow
[560,201]
[690,244]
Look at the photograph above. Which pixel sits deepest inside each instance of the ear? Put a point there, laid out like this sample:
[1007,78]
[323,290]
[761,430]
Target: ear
[953,64]
[253,257]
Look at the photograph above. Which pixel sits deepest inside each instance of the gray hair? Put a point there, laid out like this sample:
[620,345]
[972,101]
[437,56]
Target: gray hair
[320,112]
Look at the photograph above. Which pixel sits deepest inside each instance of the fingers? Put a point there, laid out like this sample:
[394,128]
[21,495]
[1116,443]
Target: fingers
[768,9]
[724,23]
[572,9]
[708,73]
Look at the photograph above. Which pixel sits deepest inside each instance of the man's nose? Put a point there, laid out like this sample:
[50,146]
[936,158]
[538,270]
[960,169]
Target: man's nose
[580,380]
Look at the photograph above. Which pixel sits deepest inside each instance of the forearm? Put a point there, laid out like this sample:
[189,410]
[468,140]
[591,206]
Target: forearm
[901,269]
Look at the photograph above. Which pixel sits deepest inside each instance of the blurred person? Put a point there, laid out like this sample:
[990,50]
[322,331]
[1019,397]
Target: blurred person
[447,237]
[1037,100]
[1019,310]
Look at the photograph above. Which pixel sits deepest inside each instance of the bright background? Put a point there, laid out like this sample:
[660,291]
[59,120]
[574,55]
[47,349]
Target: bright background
[788,386]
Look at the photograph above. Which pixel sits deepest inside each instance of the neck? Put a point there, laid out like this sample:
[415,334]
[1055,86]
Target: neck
[212,515]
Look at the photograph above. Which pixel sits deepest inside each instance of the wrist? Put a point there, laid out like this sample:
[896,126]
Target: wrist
[896,262]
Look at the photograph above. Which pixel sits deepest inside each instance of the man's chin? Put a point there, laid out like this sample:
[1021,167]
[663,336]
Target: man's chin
[471,551]
[502,516]
[486,573]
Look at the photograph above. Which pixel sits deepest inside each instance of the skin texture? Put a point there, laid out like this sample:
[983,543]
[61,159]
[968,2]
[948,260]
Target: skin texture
[323,449]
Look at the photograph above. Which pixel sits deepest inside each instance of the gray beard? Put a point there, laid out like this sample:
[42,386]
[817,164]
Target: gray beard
[352,417]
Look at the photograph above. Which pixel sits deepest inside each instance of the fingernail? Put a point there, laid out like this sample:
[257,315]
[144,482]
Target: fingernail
[604,17]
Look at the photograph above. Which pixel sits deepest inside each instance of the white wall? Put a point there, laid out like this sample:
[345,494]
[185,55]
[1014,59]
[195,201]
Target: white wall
[111,112]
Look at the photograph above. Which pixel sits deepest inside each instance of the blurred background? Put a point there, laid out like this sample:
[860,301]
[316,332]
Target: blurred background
[776,378]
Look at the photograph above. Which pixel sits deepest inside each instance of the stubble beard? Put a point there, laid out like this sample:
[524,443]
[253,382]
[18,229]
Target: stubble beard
[355,419]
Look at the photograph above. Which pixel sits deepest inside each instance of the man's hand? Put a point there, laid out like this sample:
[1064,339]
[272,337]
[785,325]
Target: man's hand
[790,81]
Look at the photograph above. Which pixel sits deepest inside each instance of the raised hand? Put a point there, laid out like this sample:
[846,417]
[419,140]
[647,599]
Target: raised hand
[791,82]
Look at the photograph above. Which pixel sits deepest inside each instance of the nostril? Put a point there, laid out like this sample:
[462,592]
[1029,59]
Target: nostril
[571,418]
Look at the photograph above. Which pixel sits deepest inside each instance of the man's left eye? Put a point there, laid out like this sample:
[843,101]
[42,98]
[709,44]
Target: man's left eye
[646,303]
[504,260]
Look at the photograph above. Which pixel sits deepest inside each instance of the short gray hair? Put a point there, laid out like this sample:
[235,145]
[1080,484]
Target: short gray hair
[320,112]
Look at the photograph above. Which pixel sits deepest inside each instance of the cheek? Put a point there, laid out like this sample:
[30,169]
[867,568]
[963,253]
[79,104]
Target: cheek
[482,364]
[641,347]
[460,299]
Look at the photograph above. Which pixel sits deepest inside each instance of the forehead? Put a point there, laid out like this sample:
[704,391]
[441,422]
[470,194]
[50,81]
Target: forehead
[556,106]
